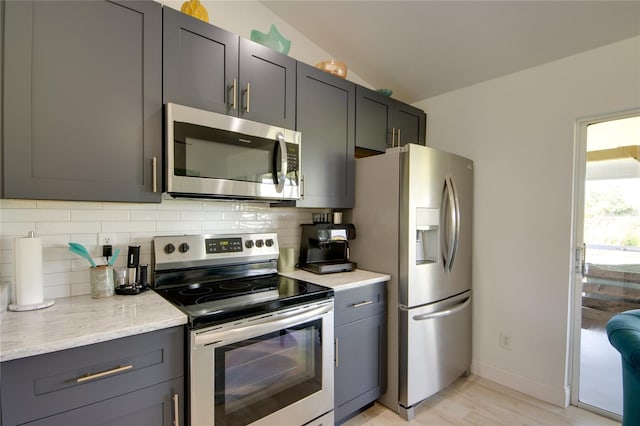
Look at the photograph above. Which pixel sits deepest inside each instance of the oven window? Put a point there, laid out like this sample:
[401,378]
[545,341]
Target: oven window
[214,153]
[261,375]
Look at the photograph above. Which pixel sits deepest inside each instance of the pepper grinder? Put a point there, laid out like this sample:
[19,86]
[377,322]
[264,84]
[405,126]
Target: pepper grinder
[133,260]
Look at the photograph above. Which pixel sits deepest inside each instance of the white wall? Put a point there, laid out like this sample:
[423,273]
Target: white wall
[519,130]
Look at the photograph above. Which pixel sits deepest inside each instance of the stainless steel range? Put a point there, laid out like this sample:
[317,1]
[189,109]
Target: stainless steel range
[260,348]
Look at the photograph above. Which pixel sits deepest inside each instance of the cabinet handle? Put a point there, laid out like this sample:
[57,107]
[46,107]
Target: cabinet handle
[302,187]
[90,376]
[176,409]
[335,343]
[393,137]
[399,143]
[248,92]
[154,174]
[234,96]
[361,304]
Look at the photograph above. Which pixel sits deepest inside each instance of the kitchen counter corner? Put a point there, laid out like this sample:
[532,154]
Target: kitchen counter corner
[341,280]
[80,320]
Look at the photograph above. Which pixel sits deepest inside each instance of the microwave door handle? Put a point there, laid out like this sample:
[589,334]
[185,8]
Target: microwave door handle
[280,175]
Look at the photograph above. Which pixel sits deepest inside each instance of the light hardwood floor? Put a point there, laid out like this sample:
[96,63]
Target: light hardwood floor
[474,400]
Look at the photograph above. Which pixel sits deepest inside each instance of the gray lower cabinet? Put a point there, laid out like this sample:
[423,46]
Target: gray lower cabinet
[360,348]
[383,122]
[326,117]
[82,100]
[209,68]
[136,381]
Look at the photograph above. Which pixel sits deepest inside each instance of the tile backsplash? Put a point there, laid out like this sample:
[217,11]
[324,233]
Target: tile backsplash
[58,222]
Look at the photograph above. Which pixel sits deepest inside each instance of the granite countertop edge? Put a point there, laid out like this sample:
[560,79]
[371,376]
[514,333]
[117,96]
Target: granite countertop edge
[80,320]
[341,280]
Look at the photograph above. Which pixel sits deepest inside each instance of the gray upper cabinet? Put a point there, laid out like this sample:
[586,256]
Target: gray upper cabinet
[82,100]
[326,118]
[383,122]
[209,68]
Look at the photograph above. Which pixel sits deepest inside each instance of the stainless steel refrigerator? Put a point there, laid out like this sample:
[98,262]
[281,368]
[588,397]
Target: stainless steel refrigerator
[413,211]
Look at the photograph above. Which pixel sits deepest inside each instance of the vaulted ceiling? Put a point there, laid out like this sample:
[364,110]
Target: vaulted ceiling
[420,49]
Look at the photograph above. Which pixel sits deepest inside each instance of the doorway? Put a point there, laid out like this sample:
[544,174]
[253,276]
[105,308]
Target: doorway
[607,241]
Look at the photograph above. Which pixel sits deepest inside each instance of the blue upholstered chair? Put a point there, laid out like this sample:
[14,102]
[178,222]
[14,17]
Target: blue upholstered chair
[624,334]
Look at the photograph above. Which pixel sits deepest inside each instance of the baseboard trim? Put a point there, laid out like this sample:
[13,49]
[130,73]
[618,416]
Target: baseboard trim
[552,395]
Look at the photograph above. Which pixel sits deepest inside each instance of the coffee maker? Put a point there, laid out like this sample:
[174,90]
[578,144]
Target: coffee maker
[324,248]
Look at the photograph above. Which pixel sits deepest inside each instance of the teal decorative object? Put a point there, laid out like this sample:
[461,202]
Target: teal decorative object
[385,92]
[273,39]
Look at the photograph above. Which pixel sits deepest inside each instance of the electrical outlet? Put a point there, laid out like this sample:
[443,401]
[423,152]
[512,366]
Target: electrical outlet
[505,341]
[106,239]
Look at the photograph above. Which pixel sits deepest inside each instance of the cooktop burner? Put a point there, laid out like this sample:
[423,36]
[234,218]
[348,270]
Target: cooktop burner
[215,279]
[216,302]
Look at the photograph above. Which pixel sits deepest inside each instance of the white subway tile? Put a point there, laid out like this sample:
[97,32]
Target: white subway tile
[201,215]
[65,278]
[185,226]
[100,215]
[17,229]
[45,228]
[52,204]
[58,291]
[180,205]
[129,206]
[54,266]
[34,215]
[128,227]
[148,215]
[80,289]
[18,204]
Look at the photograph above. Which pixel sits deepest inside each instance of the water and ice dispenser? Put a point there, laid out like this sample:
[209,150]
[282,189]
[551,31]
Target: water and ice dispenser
[427,235]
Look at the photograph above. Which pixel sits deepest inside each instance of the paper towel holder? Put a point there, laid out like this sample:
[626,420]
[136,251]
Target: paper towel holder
[32,306]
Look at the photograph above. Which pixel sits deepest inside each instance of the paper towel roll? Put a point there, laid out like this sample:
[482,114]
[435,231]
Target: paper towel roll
[28,271]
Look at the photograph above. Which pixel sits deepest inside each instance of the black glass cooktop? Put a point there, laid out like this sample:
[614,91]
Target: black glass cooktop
[210,303]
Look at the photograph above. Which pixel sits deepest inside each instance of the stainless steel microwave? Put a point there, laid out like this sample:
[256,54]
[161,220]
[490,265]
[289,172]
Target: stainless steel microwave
[211,155]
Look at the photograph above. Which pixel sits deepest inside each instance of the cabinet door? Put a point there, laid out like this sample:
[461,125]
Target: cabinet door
[199,63]
[267,91]
[374,114]
[360,373]
[82,99]
[411,123]
[326,117]
[152,406]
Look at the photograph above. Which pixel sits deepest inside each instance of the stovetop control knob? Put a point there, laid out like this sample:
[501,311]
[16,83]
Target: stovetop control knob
[248,244]
[169,248]
[269,242]
[259,243]
[184,247]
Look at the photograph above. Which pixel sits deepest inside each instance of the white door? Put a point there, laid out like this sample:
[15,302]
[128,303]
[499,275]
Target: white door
[607,261]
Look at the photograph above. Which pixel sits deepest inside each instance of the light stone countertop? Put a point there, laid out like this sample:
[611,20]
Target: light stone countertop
[340,280]
[80,320]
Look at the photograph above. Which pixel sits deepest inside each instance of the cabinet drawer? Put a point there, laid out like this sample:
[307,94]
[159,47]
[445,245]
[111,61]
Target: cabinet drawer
[47,384]
[360,302]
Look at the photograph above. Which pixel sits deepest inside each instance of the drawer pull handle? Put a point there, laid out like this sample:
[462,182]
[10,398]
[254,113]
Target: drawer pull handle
[361,304]
[176,410]
[104,373]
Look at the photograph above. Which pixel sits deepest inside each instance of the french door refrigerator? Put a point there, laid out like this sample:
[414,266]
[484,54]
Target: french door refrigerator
[413,210]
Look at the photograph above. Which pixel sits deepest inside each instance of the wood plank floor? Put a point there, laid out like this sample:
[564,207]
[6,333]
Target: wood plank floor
[474,400]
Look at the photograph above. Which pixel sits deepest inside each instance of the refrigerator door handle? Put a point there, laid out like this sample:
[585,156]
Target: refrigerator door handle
[447,312]
[455,214]
[449,219]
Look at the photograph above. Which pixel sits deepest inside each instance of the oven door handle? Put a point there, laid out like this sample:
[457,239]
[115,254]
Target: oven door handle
[271,323]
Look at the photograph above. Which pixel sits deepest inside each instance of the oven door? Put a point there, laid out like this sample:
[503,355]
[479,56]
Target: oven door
[216,155]
[271,369]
